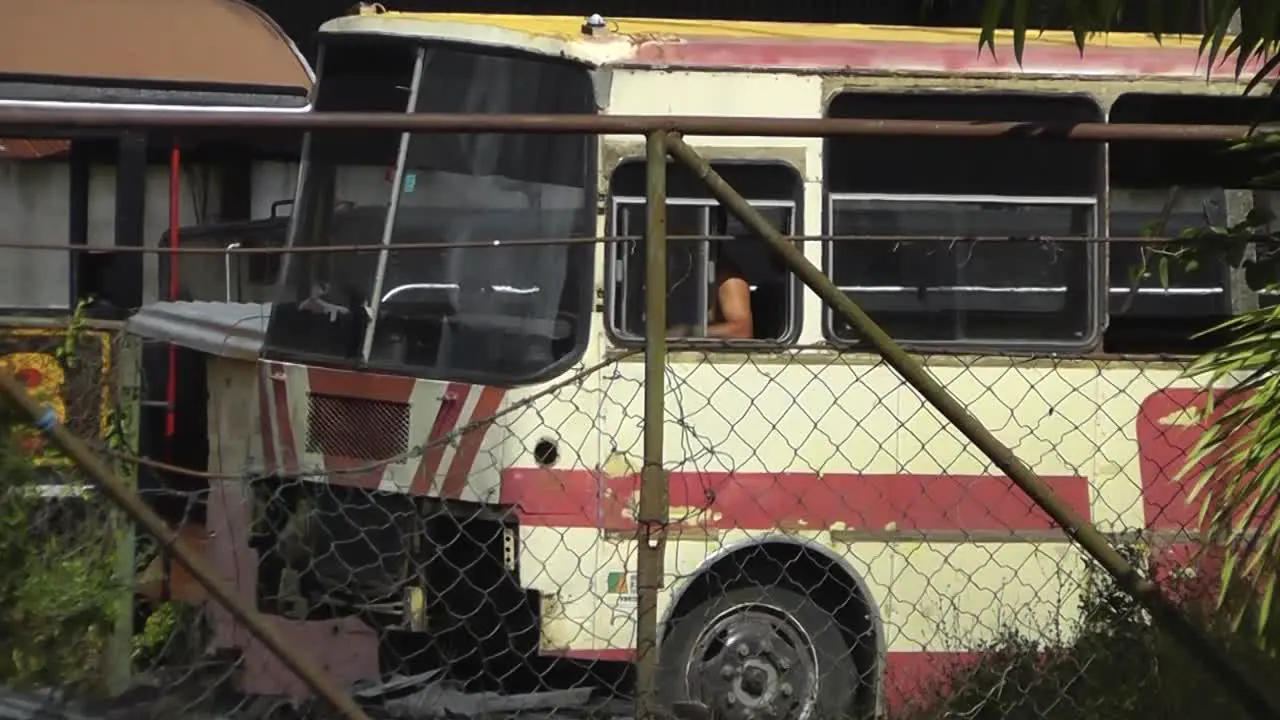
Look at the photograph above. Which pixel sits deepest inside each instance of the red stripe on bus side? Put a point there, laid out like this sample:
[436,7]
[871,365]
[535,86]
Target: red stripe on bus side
[796,501]
[451,402]
[824,53]
[1170,424]
[455,480]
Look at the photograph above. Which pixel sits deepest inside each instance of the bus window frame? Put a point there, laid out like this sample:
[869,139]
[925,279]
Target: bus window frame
[1094,269]
[1095,262]
[1269,200]
[584,299]
[615,275]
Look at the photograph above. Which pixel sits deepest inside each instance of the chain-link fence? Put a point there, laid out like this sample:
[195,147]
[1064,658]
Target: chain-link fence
[67,600]
[823,523]
[823,485]
[772,529]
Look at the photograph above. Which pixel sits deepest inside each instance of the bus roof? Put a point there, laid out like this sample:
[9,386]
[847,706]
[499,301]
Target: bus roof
[173,45]
[834,48]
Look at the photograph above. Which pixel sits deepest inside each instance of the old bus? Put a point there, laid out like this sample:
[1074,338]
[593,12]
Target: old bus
[471,467]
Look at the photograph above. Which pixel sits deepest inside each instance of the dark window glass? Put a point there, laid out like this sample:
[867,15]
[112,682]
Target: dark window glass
[476,309]
[1159,165]
[1012,165]
[952,289]
[941,286]
[1200,290]
[687,281]
[511,313]
[246,278]
[344,197]
[724,247]
[1269,294]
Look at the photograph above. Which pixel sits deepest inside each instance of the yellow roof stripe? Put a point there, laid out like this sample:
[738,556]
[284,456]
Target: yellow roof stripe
[569,28]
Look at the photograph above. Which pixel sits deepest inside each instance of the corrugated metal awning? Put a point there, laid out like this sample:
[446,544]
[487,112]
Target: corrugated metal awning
[225,45]
[231,330]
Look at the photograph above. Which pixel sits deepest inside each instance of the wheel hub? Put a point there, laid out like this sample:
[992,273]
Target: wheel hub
[751,664]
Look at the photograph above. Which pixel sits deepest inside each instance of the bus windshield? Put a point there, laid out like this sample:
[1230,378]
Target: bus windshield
[472,309]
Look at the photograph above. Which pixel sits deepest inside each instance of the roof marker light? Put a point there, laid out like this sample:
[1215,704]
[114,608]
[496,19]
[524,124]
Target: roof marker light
[595,25]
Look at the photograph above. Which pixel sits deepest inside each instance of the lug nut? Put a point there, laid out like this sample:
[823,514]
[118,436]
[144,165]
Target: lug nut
[743,650]
[727,672]
[784,664]
[785,690]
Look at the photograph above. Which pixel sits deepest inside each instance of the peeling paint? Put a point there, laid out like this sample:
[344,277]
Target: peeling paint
[550,639]
[694,515]
[619,465]
[678,515]
[793,525]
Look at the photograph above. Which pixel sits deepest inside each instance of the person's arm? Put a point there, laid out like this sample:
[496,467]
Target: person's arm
[734,302]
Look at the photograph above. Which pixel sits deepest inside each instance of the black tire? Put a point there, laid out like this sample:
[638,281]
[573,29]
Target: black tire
[758,678]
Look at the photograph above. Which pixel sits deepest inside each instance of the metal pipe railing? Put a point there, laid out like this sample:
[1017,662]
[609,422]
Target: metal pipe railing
[652,511]
[1267,240]
[44,122]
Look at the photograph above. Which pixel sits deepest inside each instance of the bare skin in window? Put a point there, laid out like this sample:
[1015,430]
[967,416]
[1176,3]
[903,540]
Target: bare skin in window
[729,316]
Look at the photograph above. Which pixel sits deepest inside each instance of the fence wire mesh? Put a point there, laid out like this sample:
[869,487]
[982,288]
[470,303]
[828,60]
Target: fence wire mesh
[62,544]
[829,536]
[823,486]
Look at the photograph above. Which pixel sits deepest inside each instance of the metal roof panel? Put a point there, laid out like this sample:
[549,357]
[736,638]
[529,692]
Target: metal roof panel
[231,330]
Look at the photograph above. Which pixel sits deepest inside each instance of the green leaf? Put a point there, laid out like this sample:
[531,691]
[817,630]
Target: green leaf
[991,12]
[1020,10]
[1155,18]
[1220,12]
[1081,22]
[1268,69]
[1108,14]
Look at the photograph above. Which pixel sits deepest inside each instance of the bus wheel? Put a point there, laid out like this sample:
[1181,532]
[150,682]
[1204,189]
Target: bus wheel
[759,653]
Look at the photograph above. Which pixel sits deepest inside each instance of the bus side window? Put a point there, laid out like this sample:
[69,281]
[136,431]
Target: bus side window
[719,245]
[34,279]
[973,267]
[239,278]
[1163,189]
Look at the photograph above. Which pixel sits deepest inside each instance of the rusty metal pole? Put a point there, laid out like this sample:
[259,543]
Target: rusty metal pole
[1256,702]
[127,391]
[117,490]
[651,515]
[43,121]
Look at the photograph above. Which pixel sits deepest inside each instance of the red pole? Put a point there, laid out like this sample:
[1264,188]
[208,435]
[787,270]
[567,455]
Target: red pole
[175,221]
